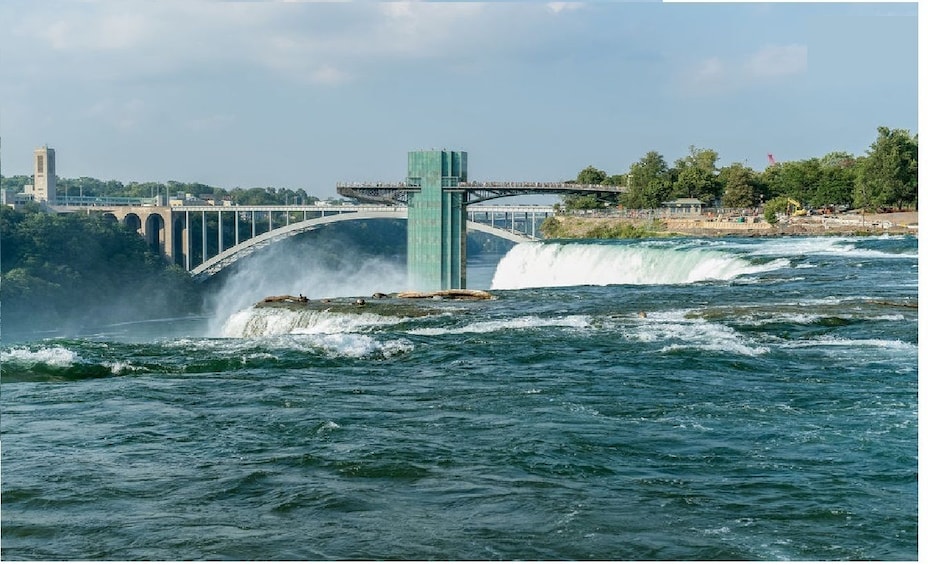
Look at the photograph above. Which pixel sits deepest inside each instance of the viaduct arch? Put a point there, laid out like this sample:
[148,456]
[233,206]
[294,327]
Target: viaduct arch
[152,222]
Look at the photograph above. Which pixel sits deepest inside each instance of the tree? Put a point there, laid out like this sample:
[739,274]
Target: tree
[79,267]
[649,183]
[739,186]
[836,184]
[696,175]
[591,175]
[582,202]
[889,172]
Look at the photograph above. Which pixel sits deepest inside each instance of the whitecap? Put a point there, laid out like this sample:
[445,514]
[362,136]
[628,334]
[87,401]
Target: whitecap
[521,323]
[56,356]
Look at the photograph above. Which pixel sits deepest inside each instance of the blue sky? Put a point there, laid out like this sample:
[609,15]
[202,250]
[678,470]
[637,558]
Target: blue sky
[303,95]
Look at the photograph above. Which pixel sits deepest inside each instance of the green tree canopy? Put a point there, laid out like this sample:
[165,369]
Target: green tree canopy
[591,175]
[740,186]
[58,268]
[649,183]
[889,172]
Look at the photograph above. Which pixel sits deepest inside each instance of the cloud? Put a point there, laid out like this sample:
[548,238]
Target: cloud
[777,60]
[329,75]
[112,31]
[769,64]
[558,7]
[323,43]
[708,71]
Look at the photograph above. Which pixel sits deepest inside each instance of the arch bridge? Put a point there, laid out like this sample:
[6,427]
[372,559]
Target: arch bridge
[436,198]
[206,239]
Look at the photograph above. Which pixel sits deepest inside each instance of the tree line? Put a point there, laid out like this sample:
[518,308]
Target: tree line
[92,187]
[66,271]
[886,177]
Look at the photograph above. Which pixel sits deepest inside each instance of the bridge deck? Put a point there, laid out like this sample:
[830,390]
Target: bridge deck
[384,192]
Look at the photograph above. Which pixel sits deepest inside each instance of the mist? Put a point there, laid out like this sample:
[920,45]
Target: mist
[316,267]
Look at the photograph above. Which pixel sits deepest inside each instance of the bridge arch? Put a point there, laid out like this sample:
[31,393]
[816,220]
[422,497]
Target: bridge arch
[247,247]
[132,221]
[154,233]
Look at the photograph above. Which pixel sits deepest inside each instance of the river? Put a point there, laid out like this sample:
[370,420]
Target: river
[669,399]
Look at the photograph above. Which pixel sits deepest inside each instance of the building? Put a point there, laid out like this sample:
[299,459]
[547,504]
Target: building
[43,182]
[683,207]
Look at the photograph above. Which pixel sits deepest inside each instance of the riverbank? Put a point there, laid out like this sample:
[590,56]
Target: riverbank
[753,226]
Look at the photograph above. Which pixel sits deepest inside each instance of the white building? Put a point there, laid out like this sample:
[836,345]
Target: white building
[43,182]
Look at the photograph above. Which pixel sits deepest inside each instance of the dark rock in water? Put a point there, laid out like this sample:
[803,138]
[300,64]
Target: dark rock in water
[403,304]
[285,298]
[454,294]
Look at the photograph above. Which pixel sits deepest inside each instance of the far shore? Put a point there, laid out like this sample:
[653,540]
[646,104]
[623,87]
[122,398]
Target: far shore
[754,226]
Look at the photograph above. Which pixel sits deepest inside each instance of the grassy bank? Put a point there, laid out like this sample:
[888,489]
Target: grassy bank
[585,227]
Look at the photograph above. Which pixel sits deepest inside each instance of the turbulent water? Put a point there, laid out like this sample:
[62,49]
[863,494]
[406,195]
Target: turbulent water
[744,399]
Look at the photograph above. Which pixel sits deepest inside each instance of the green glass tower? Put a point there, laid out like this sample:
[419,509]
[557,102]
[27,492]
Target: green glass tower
[436,233]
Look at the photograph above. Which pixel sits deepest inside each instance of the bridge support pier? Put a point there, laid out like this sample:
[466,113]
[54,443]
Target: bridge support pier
[437,227]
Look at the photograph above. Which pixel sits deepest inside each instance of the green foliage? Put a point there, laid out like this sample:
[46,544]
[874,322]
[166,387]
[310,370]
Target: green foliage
[550,228]
[76,269]
[778,205]
[591,175]
[740,186]
[771,216]
[886,177]
[622,230]
[583,202]
[91,187]
[649,182]
[554,228]
[889,173]
[696,176]
[796,179]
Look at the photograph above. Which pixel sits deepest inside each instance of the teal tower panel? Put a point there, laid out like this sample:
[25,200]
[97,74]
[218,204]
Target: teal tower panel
[436,230]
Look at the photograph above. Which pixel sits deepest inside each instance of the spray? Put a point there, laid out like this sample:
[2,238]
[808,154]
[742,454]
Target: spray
[314,267]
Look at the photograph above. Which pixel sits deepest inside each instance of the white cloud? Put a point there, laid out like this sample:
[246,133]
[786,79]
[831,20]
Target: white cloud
[709,70]
[778,60]
[713,75]
[68,31]
[558,7]
[329,75]
[325,43]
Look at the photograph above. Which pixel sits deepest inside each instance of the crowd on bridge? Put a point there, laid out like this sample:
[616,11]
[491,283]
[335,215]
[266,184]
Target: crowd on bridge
[562,185]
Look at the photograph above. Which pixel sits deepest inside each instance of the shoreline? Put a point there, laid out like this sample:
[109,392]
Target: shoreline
[896,223]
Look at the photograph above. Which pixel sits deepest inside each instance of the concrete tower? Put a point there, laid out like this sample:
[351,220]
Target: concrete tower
[44,175]
[436,234]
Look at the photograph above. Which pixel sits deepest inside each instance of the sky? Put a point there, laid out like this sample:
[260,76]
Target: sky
[307,94]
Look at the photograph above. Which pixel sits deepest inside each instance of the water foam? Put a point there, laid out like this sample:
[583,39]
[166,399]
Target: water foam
[491,326]
[359,345]
[683,332]
[530,265]
[256,322]
[822,246]
[52,356]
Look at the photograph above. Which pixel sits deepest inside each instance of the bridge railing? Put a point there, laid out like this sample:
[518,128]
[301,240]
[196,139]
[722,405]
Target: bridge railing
[526,185]
[67,200]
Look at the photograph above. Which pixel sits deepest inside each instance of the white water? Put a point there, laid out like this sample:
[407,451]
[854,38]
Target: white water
[294,270]
[256,322]
[53,356]
[533,265]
